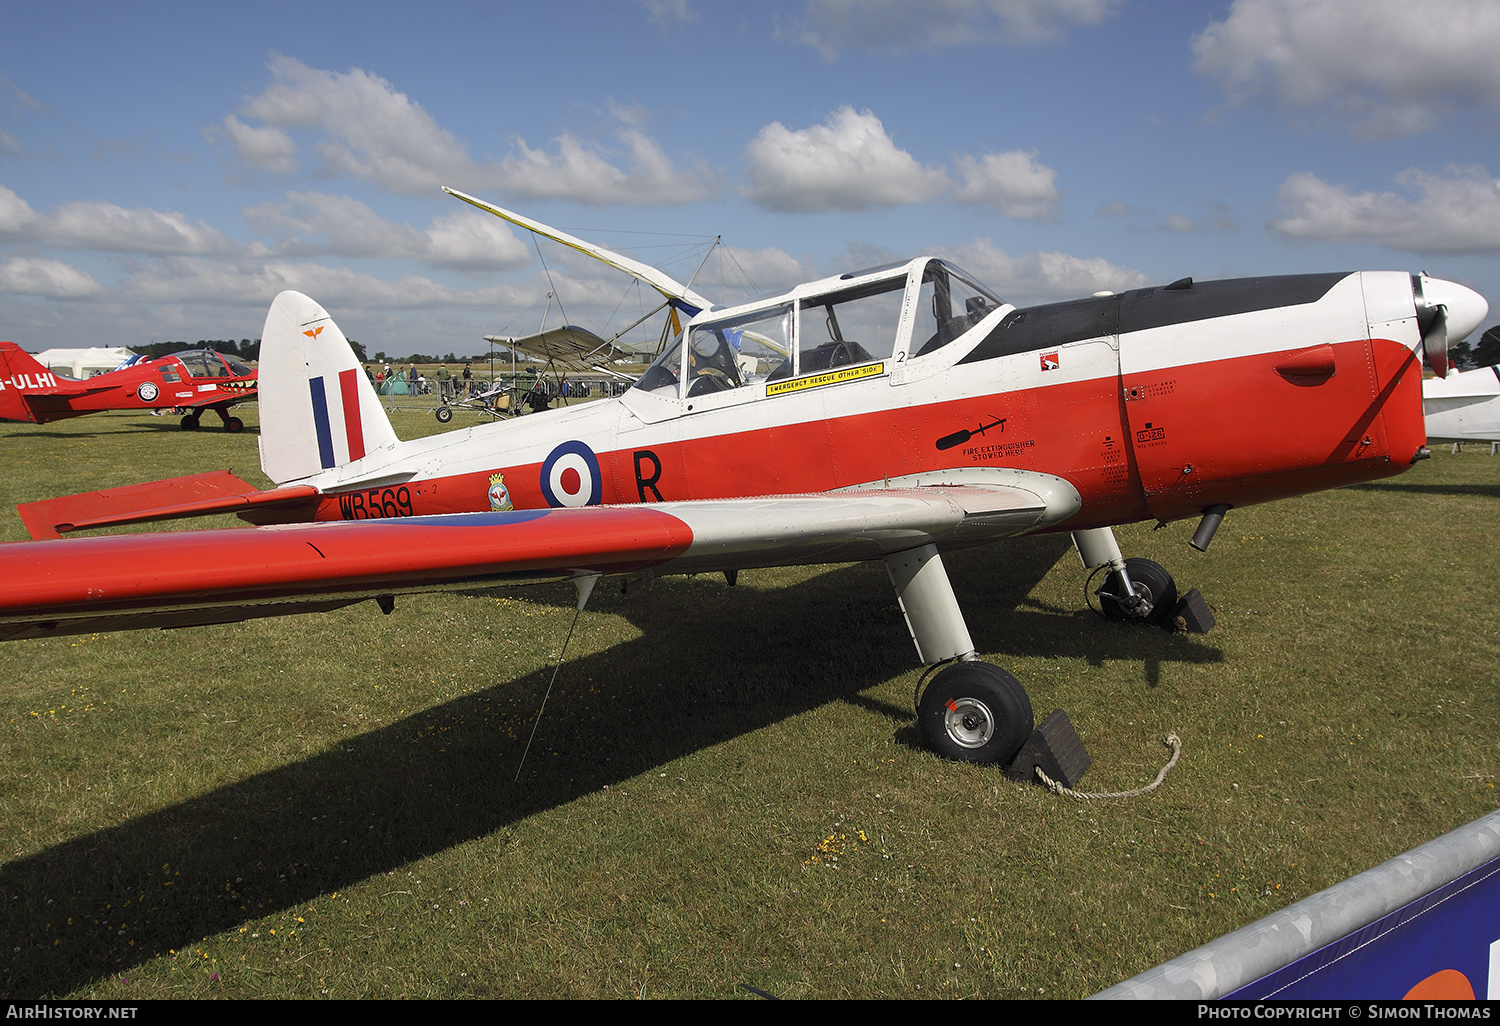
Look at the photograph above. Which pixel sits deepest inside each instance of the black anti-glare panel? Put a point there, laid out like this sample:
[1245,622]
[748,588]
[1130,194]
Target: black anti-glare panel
[1056,324]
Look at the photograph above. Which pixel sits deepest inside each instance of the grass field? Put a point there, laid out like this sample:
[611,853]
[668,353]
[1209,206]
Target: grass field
[726,787]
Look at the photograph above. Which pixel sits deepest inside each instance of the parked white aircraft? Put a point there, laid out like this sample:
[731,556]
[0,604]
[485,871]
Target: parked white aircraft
[1463,407]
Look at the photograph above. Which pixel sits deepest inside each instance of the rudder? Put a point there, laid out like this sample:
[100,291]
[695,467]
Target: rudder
[318,409]
[19,370]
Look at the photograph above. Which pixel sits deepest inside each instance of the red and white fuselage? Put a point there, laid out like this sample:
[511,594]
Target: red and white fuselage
[1155,403]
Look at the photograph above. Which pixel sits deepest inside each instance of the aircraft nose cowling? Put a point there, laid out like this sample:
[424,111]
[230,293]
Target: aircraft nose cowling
[1466,308]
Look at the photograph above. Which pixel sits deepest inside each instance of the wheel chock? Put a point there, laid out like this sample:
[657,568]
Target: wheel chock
[1192,614]
[1056,748]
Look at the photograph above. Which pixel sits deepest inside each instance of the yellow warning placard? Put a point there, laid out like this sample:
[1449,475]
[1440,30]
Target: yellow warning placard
[832,377]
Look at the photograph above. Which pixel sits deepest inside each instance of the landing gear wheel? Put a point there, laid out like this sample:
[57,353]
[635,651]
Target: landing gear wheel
[443,414]
[234,425]
[975,712]
[1152,583]
[190,423]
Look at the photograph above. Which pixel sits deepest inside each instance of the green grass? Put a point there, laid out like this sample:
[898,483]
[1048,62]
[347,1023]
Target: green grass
[726,787]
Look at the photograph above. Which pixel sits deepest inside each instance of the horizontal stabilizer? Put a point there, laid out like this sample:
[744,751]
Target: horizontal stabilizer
[176,498]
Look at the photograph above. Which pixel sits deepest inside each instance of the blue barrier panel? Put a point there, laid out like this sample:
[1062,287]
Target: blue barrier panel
[1445,945]
[1424,925]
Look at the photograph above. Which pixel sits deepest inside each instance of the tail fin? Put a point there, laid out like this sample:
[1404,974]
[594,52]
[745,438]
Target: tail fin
[318,409]
[19,372]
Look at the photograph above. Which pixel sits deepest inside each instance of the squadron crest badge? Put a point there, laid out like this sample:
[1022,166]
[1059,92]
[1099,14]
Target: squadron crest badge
[499,494]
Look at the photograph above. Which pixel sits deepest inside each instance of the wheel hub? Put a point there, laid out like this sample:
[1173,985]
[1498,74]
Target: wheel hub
[969,722]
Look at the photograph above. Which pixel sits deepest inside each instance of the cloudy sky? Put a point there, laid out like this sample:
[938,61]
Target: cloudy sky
[166,169]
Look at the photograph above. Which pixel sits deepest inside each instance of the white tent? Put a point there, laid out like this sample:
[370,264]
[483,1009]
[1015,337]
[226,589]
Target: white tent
[83,363]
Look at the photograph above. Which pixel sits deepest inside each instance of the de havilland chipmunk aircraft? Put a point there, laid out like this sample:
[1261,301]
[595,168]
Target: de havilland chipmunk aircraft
[193,380]
[893,414]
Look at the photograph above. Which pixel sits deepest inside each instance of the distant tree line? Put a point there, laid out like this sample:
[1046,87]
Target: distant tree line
[1484,353]
[413,358]
[246,349]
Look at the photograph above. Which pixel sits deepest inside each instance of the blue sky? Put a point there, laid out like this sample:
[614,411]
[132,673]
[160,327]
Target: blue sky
[166,169]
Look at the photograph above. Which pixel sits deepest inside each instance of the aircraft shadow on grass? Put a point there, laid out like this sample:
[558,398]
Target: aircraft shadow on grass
[155,426]
[1487,491]
[99,904]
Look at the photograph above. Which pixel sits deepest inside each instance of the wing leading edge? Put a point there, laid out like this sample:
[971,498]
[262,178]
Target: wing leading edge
[199,577]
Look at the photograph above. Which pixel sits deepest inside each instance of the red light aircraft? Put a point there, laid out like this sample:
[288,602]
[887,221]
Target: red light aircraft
[194,380]
[894,413]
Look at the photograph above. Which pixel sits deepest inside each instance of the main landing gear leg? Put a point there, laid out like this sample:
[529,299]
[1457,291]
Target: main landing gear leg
[231,424]
[971,711]
[1135,590]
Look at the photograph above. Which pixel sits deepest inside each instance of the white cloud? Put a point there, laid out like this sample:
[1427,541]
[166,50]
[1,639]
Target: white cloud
[40,276]
[367,129]
[746,273]
[581,172]
[665,12]
[471,241]
[1385,67]
[17,219]
[255,283]
[1042,277]
[1012,183]
[1454,211]
[895,26]
[318,224]
[846,163]
[267,148]
[93,224]
[371,130]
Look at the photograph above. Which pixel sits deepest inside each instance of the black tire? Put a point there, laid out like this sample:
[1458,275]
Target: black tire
[190,423]
[443,414]
[234,425]
[975,712]
[1152,582]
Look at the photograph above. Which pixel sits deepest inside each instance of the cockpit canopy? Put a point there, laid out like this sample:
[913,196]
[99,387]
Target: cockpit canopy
[862,319]
[207,363]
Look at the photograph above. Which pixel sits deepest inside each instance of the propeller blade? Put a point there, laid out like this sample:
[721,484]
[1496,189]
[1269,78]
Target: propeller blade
[1435,342]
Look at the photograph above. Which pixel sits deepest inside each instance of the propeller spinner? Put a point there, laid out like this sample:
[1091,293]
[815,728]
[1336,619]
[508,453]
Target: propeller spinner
[1446,313]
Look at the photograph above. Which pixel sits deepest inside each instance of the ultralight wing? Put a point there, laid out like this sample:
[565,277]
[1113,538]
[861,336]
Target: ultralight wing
[572,346]
[218,576]
[668,286]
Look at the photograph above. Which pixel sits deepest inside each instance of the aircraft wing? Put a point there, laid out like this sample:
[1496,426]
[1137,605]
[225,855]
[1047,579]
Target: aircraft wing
[669,287]
[1463,407]
[200,577]
[229,396]
[569,345]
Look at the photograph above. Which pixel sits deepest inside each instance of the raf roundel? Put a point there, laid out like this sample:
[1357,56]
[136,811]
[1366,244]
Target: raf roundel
[146,390]
[570,476]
